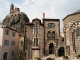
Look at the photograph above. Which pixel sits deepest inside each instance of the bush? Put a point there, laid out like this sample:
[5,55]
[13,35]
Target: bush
[49,59]
[65,57]
[78,56]
[20,56]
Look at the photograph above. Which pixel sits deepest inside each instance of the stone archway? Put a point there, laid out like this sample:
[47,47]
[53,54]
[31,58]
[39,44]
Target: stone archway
[61,51]
[5,56]
[51,48]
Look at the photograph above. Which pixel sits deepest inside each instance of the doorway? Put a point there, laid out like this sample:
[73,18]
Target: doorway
[5,56]
[61,51]
[51,48]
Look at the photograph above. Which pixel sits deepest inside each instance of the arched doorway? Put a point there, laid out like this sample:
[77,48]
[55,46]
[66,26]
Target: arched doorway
[51,48]
[61,51]
[5,56]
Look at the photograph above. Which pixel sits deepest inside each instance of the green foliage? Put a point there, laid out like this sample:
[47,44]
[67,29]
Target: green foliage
[20,56]
[78,55]
[65,57]
[49,59]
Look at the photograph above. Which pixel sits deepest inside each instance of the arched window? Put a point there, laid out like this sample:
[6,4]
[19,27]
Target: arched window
[48,34]
[5,56]
[53,34]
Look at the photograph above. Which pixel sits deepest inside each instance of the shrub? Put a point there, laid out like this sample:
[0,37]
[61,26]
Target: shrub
[20,56]
[49,59]
[65,57]
[78,55]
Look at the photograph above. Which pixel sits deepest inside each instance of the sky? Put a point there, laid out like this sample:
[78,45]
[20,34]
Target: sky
[54,9]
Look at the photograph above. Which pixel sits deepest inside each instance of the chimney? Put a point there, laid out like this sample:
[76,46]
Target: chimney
[43,15]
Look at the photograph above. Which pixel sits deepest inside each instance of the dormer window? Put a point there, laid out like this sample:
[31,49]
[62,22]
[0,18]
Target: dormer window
[51,25]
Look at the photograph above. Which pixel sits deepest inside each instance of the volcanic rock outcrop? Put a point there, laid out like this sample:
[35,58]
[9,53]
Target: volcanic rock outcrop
[16,19]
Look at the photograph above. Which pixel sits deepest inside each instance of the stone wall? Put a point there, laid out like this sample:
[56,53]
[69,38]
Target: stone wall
[55,40]
[71,23]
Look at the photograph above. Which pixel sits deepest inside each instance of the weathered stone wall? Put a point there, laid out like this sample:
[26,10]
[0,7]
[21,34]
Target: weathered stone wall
[57,34]
[71,18]
[71,23]
[30,35]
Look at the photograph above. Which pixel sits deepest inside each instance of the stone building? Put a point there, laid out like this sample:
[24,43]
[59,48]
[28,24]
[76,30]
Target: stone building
[72,34]
[8,43]
[12,10]
[45,37]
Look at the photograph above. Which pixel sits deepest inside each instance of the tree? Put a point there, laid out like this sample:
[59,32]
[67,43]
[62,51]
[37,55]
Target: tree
[20,55]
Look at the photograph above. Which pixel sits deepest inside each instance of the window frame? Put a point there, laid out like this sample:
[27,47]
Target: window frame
[12,43]
[51,25]
[53,33]
[36,41]
[12,54]
[6,42]
[35,30]
[78,32]
[7,31]
[13,34]
[48,33]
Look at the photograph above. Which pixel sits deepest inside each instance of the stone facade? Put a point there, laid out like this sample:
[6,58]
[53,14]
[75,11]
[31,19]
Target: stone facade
[71,26]
[31,35]
[43,47]
[56,29]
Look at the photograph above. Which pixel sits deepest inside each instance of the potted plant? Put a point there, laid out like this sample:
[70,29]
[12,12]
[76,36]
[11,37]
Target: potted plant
[49,58]
[65,58]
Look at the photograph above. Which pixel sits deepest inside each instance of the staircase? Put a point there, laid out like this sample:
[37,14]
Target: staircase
[51,56]
[59,58]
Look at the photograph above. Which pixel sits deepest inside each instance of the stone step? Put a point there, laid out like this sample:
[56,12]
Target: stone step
[50,56]
[59,58]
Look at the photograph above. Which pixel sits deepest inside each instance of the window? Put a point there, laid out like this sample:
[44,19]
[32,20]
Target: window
[12,53]
[13,43]
[36,30]
[48,34]
[13,34]
[6,42]
[21,43]
[36,41]
[78,32]
[50,25]
[7,32]
[53,34]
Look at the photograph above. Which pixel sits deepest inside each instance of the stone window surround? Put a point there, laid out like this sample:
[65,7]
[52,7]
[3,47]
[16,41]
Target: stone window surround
[37,30]
[51,32]
[38,40]
[50,23]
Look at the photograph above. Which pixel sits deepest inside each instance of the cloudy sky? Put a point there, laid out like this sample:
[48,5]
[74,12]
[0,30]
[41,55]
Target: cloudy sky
[56,9]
